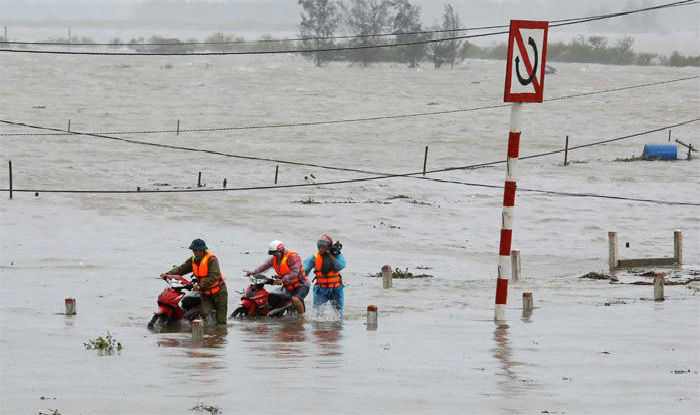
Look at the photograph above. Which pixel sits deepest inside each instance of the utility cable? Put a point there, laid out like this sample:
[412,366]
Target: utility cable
[343,48]
[349,120]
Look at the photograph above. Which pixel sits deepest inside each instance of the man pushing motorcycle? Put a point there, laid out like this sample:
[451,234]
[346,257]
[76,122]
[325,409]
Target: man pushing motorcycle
[208,280]
[290,273]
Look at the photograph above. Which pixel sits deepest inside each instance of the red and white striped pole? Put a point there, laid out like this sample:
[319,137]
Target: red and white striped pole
[504,261]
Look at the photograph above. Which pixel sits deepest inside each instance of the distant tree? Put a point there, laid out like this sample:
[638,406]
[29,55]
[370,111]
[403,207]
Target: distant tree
[447,51]
[622,52]
[407,19]
[319,19]
[677,59]
[366,18]
[219,42]
[645,59]
[115,42]
[598,42]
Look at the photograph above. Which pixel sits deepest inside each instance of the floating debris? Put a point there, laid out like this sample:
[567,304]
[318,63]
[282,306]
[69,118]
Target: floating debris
[107,344]
[614,302]
[397,273]
[211,409]
[598,276]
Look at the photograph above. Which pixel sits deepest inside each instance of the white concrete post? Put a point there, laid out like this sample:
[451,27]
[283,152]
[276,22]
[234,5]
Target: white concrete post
[678,247]
[371,317]
[515,265]
[70,306]
[528,304]
[658,287]
[197,331]
[386,277]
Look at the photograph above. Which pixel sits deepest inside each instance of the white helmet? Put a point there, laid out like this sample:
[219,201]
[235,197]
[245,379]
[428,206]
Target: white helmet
[275,247]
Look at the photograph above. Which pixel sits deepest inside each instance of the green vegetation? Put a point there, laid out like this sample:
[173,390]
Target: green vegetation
[594,49]
[322,20]
[105,344]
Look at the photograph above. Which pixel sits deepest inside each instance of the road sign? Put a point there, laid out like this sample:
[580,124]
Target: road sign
[527,49]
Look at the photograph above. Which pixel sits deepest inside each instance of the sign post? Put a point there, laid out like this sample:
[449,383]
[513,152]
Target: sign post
[527,49]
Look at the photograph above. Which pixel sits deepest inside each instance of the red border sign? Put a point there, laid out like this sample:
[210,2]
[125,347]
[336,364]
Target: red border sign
[516,37]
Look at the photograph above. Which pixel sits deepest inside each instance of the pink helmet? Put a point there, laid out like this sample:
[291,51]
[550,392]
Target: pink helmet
[324,240]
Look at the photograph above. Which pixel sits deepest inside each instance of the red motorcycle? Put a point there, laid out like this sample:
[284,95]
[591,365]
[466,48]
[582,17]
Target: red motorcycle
[258,301]
[176,303]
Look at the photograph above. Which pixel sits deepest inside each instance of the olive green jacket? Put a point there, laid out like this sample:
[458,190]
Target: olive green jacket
[213,275]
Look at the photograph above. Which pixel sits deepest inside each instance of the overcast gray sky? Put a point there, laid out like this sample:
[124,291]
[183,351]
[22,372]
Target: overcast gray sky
[677,28]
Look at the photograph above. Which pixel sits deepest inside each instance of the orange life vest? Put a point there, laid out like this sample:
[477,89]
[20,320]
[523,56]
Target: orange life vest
[202,270]
[332,279]
[283,269]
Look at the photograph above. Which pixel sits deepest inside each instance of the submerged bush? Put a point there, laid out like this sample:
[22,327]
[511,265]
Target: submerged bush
[106,344]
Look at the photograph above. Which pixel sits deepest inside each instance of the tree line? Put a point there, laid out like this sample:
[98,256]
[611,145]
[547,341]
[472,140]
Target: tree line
[364,20]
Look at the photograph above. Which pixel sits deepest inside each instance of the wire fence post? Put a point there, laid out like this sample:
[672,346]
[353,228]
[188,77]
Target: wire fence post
[425,160]
[68,124]
[10,165]
[277,170]
[566,151]
[224,182]
[178,127]
[669,135]
[199,179]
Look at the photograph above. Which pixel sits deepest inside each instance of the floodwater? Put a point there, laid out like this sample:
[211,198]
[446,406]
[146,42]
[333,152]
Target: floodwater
[436,348]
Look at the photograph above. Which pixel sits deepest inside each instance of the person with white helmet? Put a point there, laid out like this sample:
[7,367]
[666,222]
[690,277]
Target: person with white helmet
[290,273]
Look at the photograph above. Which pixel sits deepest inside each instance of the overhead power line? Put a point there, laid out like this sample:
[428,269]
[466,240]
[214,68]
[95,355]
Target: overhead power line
[379,176]
[313,38]
[349,120]
[567,22]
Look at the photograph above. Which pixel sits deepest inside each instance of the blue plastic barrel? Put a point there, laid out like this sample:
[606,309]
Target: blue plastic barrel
[660,152]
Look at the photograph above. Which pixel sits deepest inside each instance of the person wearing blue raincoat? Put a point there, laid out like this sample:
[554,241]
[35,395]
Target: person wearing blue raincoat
[327,264]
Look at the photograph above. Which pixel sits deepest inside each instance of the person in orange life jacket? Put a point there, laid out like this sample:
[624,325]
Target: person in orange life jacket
[290,274]
[327,266]
[209,280]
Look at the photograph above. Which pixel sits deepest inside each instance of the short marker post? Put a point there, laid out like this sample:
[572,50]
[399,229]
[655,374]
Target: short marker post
[528,304]
[566,151]
[371,317]
[612,252]
[68,124]
[70,306]
[678,247]
[199,179]
[178,128]
[659,287]
[425,160]
[197,330]
[515,265]
[277,171]
[224,182]
[386,277]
